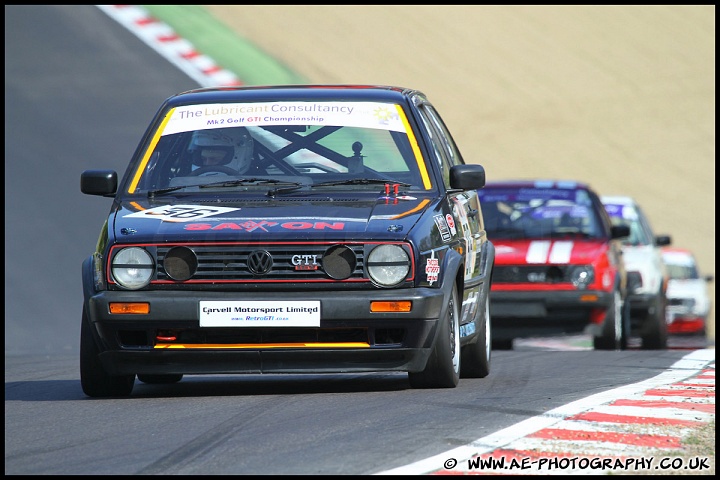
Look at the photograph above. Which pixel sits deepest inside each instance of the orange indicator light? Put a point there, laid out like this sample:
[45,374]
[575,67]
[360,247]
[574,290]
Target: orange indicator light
[589,298]
[129,308]
[401,306]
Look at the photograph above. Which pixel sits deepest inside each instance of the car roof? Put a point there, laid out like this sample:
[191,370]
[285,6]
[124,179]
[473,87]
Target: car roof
[618,200]
[548,183]
[259,93]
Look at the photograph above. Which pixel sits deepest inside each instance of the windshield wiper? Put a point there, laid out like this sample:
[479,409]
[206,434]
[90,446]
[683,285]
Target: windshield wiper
[352,181]
[291,187]
[247,181]
[163,191]
[576,234]
[360,181]
[224,183]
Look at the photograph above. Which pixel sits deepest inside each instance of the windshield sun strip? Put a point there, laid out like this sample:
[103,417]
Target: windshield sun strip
[415,147]
[148,152]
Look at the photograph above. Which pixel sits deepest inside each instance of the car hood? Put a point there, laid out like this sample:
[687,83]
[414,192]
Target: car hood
[520,252]
[647,261]
[637,257]
[694,288]
[384,218]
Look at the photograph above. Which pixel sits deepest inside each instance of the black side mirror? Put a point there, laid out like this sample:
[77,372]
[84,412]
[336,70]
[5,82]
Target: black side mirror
[467,177]
[663,240]
[99,182]
[620,231]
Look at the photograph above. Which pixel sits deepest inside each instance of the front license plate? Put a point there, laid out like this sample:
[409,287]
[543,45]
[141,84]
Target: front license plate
[260,314]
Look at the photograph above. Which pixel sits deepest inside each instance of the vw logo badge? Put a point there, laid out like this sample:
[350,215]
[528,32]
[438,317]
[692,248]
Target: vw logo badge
[259,262]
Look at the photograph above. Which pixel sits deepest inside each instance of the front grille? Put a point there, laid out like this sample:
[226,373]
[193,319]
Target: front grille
[531,274]
[681,302]
[234,263]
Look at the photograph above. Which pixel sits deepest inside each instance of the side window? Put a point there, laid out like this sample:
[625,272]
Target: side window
[438,144]
[449,142]
[648,235]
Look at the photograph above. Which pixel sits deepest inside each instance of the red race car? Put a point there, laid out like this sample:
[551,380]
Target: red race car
[558,263]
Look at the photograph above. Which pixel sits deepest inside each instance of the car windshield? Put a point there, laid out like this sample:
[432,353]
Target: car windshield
[680,267]
[359,145]
[628,215]
[516,213]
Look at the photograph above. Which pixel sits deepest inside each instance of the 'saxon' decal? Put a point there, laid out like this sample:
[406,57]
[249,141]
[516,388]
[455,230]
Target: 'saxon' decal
[180,213]
[545,251]
[443,227]
[252,225]
[432,268]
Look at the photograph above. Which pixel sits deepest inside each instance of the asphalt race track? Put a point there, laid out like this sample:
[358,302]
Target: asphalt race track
[79,92]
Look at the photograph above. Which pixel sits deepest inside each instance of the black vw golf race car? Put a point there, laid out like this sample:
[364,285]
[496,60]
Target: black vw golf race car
[289,229]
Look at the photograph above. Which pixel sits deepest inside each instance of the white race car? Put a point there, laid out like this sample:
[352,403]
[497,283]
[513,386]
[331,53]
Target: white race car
[647,277]
[688,300]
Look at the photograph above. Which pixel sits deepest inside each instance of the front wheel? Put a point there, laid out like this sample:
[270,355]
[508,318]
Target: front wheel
[654,331]
[94,379]
[443,366]
[614,331]
[475,358]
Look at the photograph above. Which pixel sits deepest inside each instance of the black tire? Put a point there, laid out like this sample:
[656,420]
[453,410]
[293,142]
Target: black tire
[626,329]
[443,366]
[475,358]
[654,333]
[94,379]
[160,379]
[613,331]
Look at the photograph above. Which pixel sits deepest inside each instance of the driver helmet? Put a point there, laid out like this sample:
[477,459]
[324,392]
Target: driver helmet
[232,147]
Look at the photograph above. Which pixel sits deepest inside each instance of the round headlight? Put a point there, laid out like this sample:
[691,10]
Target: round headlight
[132,267]
[582,276]
[388,265]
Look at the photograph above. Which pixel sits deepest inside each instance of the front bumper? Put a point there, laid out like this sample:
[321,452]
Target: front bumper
[350,338]
[545,313]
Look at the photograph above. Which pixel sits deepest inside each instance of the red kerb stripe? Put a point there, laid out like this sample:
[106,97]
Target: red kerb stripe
[607,417]
[666,392]
[701,407]
[639,440]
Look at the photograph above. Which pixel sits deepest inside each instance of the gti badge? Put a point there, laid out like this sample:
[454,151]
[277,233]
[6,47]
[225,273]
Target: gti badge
[304,262]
